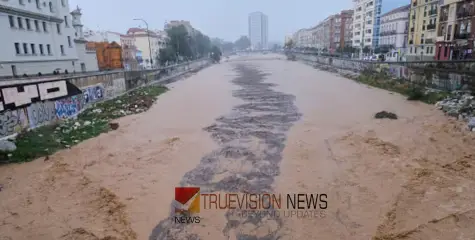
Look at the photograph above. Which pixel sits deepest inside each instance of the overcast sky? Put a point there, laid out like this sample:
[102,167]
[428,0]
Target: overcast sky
[225,19]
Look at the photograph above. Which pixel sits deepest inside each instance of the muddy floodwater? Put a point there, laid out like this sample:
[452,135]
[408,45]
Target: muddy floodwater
[255,124]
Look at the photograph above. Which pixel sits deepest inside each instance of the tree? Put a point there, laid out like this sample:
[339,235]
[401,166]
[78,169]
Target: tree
[184,44]
[366,50]
[242,43]
[167,54]
[289,44]
[216,54]
[227,47]
[180,41]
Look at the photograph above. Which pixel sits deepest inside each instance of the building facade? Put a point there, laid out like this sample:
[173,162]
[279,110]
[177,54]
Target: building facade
[366,21]
[258,30]
[346,28]
[422,30]
[330,35]
[393,30]
[455,30]
[39,37]
[109,55]
[141,42]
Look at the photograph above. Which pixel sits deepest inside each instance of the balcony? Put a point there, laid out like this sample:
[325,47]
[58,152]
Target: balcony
[461,35]
[386,33]
[429,41]
[444,18]
[431,27]
[464,14]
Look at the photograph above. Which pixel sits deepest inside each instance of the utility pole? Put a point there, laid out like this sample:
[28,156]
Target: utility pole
[148,37]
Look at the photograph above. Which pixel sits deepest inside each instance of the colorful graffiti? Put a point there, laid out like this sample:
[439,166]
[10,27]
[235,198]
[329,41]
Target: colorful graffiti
[20,95]
[93,94]
[114,87]
[69,107]
[41,113]
[12,121]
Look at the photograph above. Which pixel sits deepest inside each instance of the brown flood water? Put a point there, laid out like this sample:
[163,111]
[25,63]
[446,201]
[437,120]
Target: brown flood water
[253,126]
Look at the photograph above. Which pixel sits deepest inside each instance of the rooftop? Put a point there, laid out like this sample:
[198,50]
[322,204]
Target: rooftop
[397,10]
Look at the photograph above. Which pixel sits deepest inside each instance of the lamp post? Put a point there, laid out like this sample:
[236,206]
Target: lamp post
[148,37]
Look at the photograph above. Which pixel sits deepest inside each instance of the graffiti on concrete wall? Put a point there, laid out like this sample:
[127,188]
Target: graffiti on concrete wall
[93,94]
[114,87]
[19,95]
[69,107]
[12,121]
[41,113]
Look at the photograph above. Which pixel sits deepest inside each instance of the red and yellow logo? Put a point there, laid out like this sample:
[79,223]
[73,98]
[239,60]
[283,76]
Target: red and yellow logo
[187,200]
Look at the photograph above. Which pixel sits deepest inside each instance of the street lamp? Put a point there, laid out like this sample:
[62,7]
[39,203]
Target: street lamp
[148,37]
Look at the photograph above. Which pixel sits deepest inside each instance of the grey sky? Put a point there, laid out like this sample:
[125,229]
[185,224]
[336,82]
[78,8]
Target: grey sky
[225,19]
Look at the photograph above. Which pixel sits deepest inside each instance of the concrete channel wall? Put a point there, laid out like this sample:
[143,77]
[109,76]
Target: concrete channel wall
[440,75]
[27,105]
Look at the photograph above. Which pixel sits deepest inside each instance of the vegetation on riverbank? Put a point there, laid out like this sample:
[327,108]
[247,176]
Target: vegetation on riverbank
[46,140]
[413,91]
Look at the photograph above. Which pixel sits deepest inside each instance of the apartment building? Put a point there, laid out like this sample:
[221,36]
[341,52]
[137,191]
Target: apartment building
[41,36]
[258,31]
[346,28]
[393,30]
[331,34]
[422,30]
[455,30]
[141,38]
[366,21]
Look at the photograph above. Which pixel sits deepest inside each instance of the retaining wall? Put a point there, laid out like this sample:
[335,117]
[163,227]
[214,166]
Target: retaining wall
[447,76]
[29,105]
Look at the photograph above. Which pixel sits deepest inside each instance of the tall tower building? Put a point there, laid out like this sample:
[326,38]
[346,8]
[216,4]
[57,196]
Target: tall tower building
[366,22]
[258,30]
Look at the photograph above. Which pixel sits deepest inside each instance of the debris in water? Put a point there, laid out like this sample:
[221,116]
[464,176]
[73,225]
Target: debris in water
[384,114]
[114,126]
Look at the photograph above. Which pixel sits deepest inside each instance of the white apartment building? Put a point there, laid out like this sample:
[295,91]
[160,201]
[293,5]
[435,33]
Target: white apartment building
[141,41]
[393,30]
[258,30]
[366,21]
[102,36]
[41,36]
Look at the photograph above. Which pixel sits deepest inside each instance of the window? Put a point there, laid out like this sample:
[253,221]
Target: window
[48,48]
[11,19]
[20,22]
[58,27]
[45,27]
[22,2]
[66,21]
[41,49]
[25,48]
[37,26]
[61,47]
[28,25]
[17,48]
[427,50]
[51,7]
[38,4]
[63,2]
[33,49]
[69,42]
